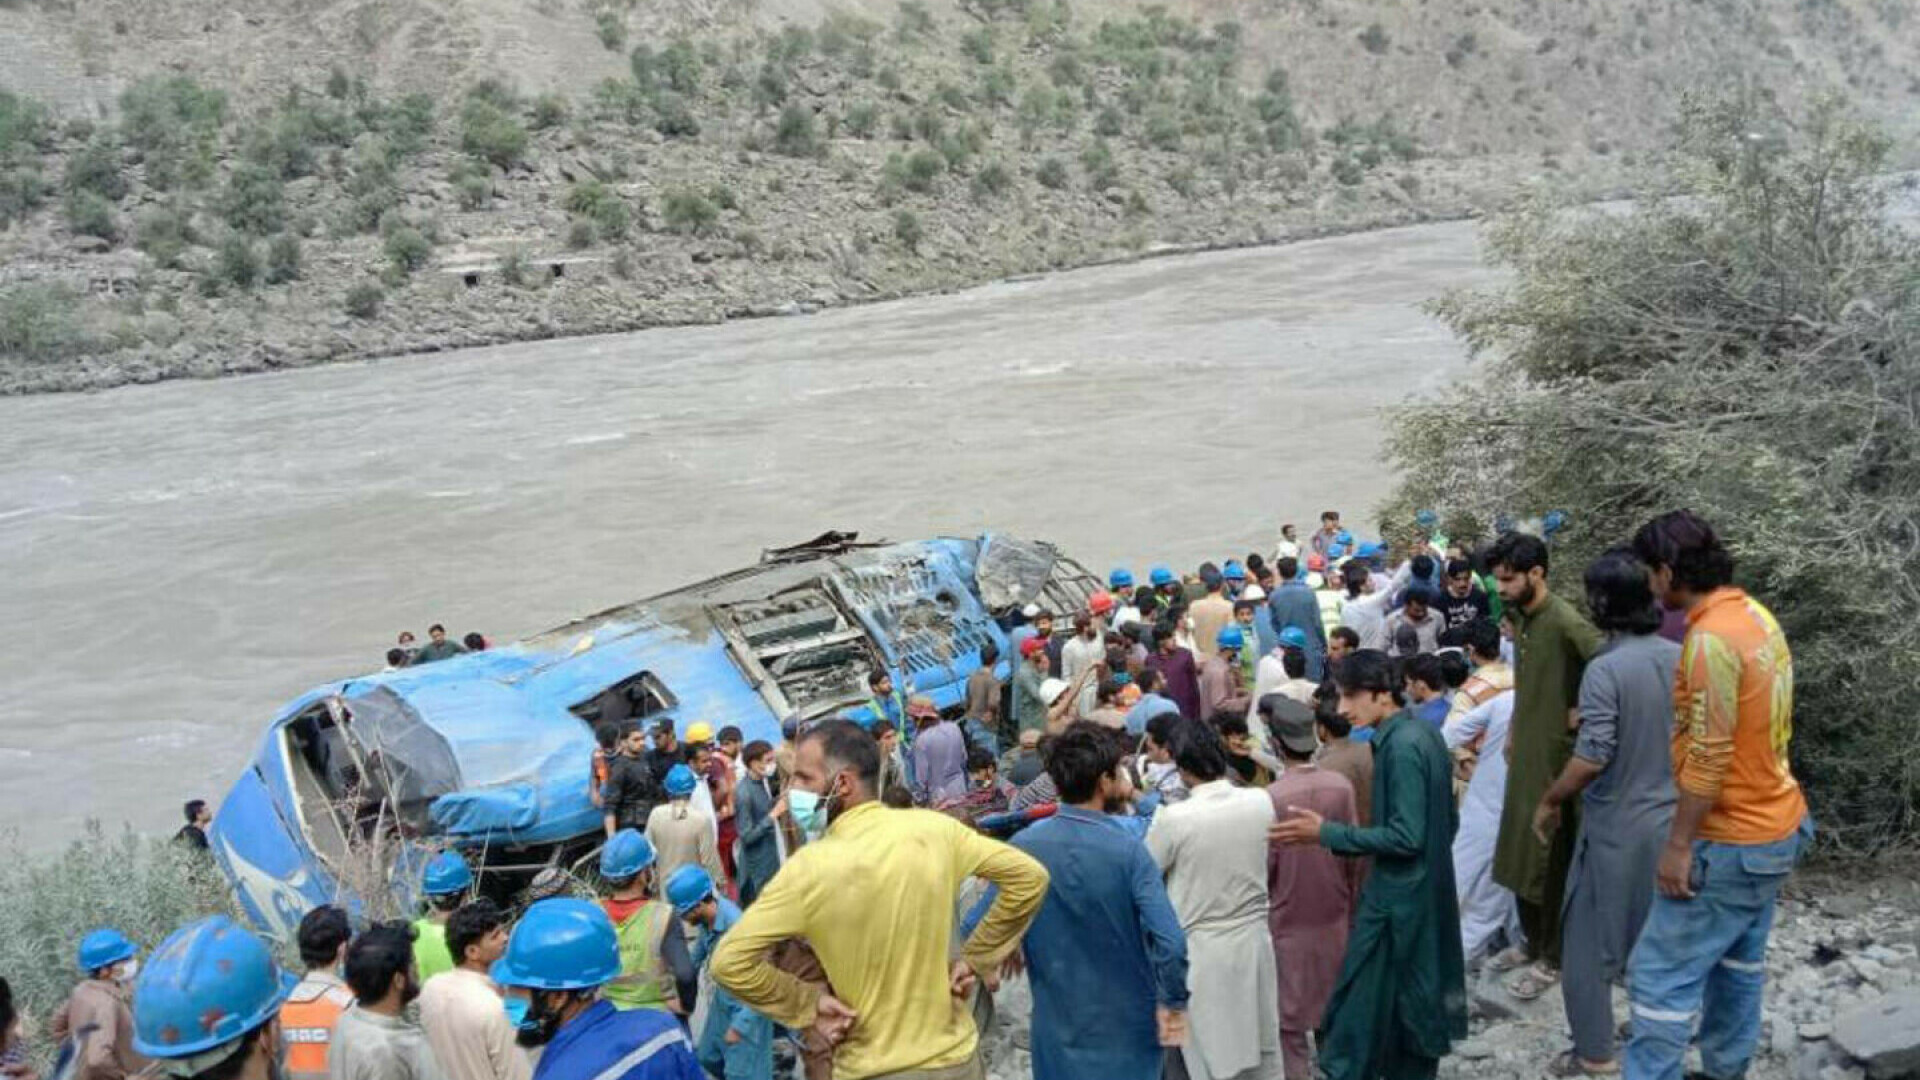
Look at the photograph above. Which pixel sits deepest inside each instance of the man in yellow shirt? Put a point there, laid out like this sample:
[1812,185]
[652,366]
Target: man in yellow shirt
[1740,825]
[874,895]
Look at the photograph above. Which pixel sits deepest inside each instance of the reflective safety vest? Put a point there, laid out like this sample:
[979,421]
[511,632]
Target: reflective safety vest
[644,981]
[430,952]
[307,1020]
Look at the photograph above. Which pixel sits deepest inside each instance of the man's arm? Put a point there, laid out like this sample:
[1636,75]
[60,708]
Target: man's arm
[1023,886]
[1594,747]
[1585,637]
[1166,942]
[1710,669]
[740,962]
[1404,831]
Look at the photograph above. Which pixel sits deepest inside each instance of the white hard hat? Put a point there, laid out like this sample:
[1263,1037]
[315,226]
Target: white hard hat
[1051,689]
[1253,592]
[1031,611]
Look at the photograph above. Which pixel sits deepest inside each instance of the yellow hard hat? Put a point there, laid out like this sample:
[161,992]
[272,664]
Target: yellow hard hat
[700,732]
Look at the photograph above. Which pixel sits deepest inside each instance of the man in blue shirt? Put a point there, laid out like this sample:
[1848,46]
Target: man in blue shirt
[560,955]
[1294,603]
[1106,955]
[736,1043]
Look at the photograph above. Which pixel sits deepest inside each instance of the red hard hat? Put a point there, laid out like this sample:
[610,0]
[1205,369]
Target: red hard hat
[1317,562]
[1032,645]
[1100,603]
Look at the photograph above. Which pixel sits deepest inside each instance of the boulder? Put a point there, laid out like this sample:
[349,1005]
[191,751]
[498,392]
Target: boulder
[1882,1034]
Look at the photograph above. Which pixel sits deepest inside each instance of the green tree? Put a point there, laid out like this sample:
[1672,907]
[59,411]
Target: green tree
[688,211]
[795,135]
[908,230]
[1747,351]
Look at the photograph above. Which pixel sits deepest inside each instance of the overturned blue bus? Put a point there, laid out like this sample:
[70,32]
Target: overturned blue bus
[356,783]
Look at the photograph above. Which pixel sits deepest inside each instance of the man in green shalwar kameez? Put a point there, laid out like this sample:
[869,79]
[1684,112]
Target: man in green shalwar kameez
[1402,996]
[1552,643]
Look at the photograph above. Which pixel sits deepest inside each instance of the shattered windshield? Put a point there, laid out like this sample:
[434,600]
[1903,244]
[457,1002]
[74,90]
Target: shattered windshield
[407,764]
[1012,572]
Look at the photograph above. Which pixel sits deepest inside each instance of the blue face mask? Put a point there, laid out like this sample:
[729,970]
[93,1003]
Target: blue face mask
[808,811]
[517,1009]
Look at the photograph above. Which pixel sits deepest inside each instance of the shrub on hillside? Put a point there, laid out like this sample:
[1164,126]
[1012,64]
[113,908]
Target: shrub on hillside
[673,117]
[908,230]
[491,134]
[594,201]
[254,200]
[408,249]
[1374,39]
[26,127]
[89,214]
[162,233]
[96,167]
[22,190]
[795,136]
[364,300]
[912,21]
[408,123]
[1097,160]
[612,30]
[991,181]
[977,44]
[862,120]
[1051,173]
[1746,351]
[283,259]
[237,262]
[681,66]
[549,111]
[173,124]
[36,324]
[689,212]
[924,168]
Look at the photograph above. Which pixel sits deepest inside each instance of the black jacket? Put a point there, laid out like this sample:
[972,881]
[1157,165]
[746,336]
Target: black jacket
[632,791]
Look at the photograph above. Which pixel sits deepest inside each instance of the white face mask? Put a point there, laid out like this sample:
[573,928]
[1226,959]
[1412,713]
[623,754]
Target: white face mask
[768,769]
[128,971]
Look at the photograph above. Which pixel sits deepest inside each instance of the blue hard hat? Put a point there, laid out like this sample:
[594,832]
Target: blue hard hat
[1292,637]
[688,888]
[681,781]
[625,855]
[208,984]
[1120,578]
[561,943]
[448,873]
[1343,537]
[1553,522]
[1231,638]
[104,948]
[1369,549]
[1233,571]
[1161,575]
[1426,519]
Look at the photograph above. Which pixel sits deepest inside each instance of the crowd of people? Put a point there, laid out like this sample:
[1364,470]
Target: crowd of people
[1254,822]
[408,652]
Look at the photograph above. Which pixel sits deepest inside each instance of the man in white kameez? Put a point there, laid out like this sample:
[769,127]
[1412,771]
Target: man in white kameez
[1486,906]
[1212,850]
[1088,647]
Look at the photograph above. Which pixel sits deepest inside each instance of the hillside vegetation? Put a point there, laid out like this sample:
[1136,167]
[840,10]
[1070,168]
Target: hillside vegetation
[196,188]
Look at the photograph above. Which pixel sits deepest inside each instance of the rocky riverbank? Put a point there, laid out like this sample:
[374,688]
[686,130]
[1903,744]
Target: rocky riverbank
[1843,996]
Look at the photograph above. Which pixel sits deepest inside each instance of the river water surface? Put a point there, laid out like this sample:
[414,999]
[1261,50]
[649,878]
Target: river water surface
[177,561]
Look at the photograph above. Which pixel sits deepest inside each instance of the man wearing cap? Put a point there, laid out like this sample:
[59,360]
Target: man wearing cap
[562,953]
[680,832]
[1120,584]
[1310,890]
[734,1042]
[1029,711]
[1294,604]
[208,1003]
[1210,614]
[939,754]
[96,1016]
[1222,680]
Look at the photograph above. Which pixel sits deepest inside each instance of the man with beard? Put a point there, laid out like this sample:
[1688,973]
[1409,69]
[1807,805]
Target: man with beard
[460,1011]
[1106,954]
[561,953]
[1552,645]
[1463,602]
[874,893]
[374,1040]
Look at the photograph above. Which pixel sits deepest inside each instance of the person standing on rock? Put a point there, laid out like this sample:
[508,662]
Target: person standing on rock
[1623,775]
[1401,1001]
[1739,826]
[1106,956]
[873,894]
[1212,849]
[1552,645]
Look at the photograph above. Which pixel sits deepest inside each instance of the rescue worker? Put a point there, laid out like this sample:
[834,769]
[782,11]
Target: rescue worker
[735,1043]
[208,1005]
[561,955]
[655,970]
[95,1020]
[445,885]
[1166,589]
[313,1009]
[682,831]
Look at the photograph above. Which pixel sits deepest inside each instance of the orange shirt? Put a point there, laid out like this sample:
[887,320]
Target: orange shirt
[1733,720]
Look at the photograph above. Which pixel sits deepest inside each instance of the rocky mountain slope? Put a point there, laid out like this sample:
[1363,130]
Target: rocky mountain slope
[192,188]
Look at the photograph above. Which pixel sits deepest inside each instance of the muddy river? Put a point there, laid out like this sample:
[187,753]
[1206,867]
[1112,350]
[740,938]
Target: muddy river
[178,560]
